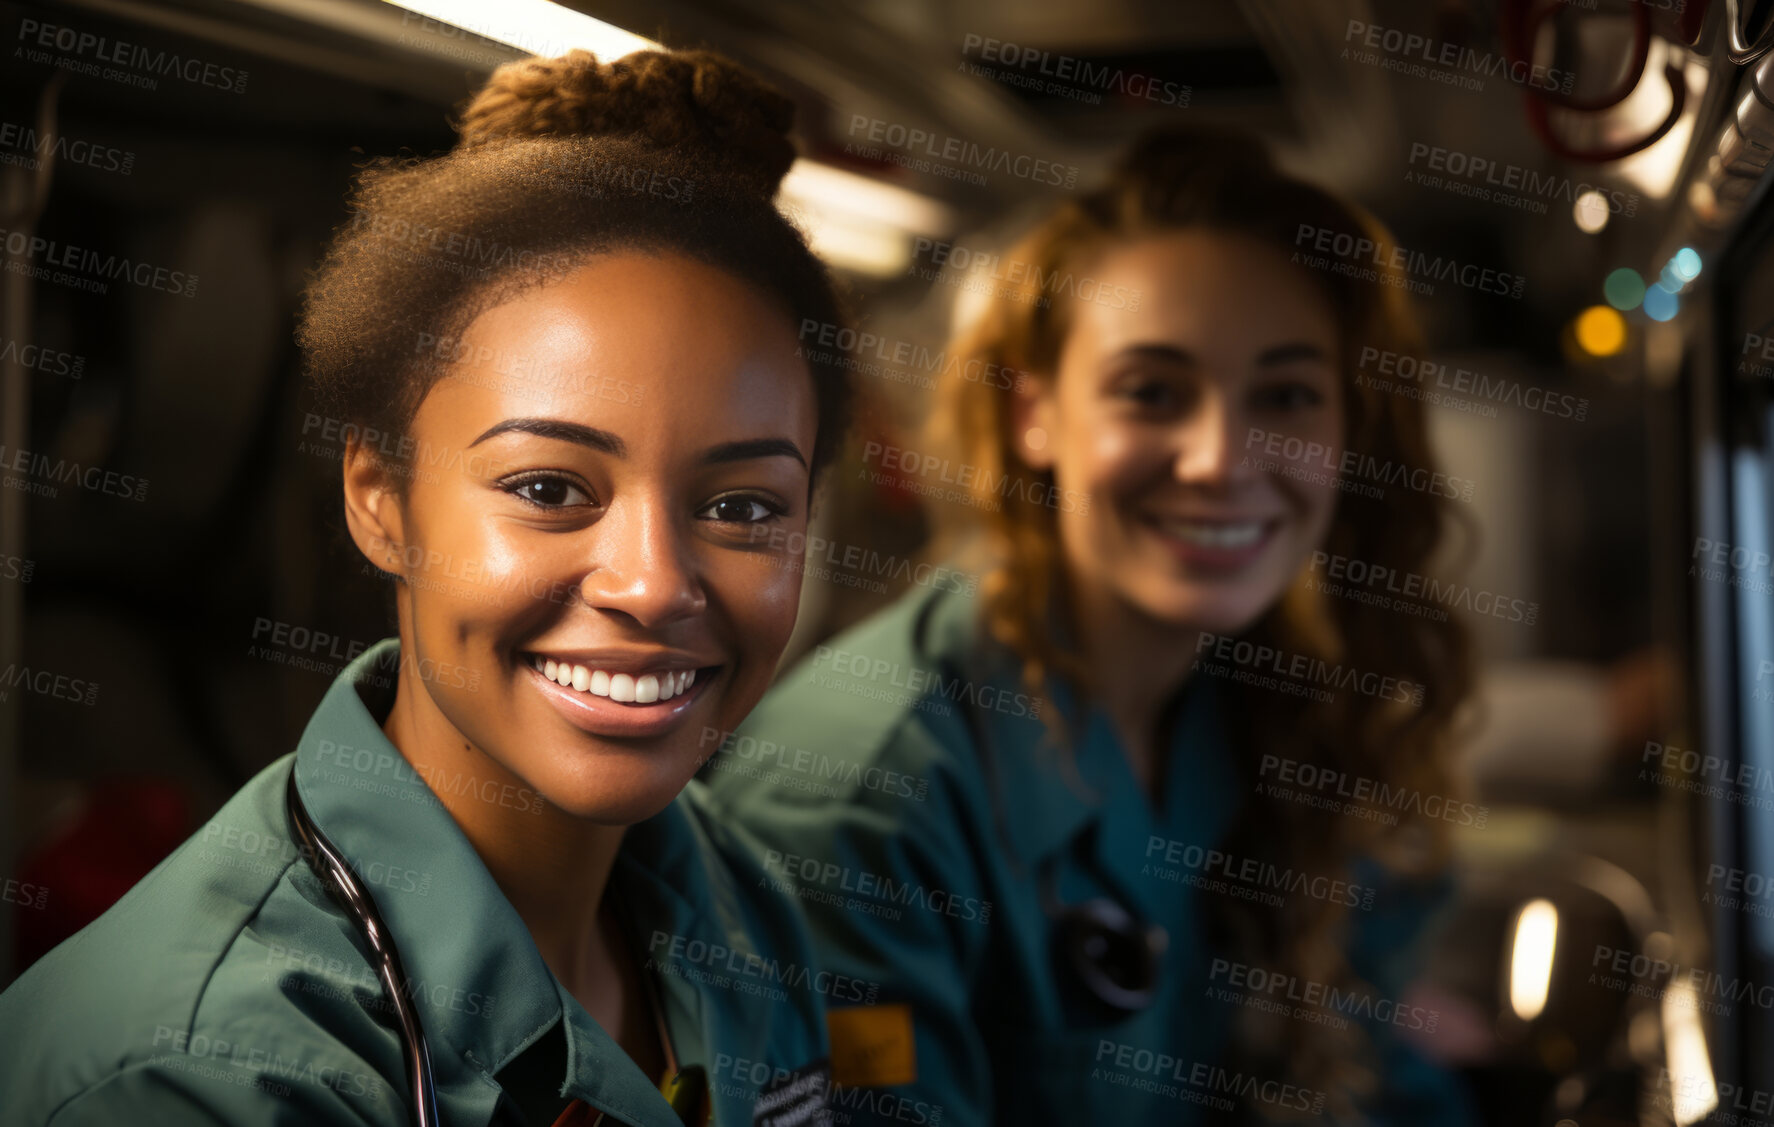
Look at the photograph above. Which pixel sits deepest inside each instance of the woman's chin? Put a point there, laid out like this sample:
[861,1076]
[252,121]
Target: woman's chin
[613,809]
[616,798]
[1214,611]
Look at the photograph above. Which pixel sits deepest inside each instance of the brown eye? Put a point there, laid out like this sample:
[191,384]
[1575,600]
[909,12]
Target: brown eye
[742,510]
[548,491]
[1289,396]
[1150,393]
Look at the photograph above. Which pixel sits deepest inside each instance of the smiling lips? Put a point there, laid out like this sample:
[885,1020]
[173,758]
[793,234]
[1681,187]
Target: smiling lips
[1214,534]
[624,688]
[1219,546]
[628,702]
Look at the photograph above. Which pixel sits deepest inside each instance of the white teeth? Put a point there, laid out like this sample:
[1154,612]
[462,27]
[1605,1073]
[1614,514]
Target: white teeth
[1214,535]
[648,688]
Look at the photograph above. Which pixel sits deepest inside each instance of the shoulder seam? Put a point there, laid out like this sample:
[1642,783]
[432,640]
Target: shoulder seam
[197,999]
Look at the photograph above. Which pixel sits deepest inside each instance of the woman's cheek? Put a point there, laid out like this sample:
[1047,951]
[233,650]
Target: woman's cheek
[1119,461]
[515,574]
[772,596]
[1314,506]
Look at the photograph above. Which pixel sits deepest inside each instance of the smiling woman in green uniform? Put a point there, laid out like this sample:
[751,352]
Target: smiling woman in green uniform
[565,356]
[1103,821]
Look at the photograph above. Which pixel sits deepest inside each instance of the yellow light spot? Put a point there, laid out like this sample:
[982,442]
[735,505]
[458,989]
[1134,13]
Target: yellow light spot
[1601,331]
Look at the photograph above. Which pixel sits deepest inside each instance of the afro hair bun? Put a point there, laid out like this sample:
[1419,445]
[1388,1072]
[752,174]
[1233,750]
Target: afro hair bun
[692,102]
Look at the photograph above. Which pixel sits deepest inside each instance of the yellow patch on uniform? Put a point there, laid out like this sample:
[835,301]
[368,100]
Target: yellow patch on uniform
[872,1046]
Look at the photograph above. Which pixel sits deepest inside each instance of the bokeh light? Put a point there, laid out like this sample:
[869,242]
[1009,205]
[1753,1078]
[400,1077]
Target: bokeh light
[1590,211]
[1624,289]
[1660,303]
[1601,331]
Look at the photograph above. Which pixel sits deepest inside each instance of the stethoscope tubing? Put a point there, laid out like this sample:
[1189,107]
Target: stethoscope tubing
[330,865]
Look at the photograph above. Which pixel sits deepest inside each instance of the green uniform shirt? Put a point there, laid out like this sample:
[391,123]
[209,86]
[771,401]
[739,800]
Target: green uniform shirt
[228,987]
[898,775]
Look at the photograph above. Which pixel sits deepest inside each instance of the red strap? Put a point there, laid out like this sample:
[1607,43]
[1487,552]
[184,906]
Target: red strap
[579,1114]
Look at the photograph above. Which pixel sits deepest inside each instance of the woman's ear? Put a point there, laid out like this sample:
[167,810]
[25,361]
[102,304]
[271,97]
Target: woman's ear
[373,510]
[1031,421]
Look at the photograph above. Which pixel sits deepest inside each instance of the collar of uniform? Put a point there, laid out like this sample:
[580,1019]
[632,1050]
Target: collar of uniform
[1051,804]
[733,964]
[1071,789]
[484,993]
[687,909]
[1197,805]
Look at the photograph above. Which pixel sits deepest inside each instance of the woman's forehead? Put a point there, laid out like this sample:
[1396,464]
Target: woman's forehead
[637,343]
[1204,292]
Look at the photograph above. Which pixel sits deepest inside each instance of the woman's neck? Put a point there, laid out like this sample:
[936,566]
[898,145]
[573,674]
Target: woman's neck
[551,866]
[1138,665]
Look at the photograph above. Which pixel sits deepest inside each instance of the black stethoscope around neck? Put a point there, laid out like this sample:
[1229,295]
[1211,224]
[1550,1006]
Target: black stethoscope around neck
[330,866]
[689,1085]
[1112,953]
[1116,957]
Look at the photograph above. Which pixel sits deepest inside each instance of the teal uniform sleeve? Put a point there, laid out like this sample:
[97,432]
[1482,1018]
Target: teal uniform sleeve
[188,1095]
[1387,951]
[886,873]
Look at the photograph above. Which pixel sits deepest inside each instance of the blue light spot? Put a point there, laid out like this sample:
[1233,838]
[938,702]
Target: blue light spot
[1660,303]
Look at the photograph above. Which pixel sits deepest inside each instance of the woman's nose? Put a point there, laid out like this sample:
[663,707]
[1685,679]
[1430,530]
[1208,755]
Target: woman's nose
[1210,444]
[644,564]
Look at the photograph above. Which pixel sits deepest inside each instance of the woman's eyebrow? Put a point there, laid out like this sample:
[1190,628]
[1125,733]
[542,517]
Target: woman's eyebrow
[1288,353]
[560,429]
[748,448]
[1166,353]
[737,451]
[1291,352]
